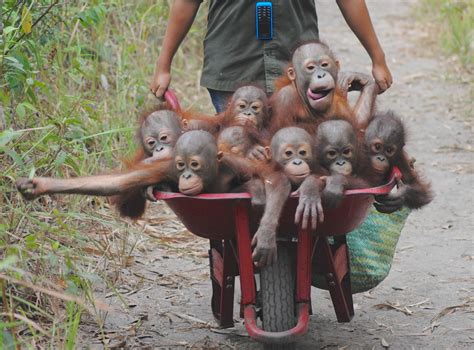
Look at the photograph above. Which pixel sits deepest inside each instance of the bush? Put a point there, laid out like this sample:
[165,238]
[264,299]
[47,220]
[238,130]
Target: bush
[73,78]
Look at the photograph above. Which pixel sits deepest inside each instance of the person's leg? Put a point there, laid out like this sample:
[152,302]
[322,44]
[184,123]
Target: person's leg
[219,99]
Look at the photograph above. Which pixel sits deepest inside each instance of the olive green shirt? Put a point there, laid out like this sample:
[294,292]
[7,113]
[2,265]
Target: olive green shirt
[233,56]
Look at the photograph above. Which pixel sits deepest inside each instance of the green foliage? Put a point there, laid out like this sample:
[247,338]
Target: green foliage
[456,21]
[73,79]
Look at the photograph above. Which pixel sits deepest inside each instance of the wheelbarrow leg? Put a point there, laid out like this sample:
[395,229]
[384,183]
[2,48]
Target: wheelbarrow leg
[222,265]
[336,268]
[246,271]
[303,263]
[341,243]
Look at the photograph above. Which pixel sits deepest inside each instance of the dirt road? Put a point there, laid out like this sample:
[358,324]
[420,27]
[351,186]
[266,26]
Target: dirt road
[431,280]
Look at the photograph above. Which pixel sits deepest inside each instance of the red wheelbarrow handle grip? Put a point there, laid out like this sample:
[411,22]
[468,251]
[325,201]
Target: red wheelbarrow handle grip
[288,336]
[171,98]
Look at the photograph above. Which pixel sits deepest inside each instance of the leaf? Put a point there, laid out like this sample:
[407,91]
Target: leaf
[7,262]
[60,159]
[189,318]
[32,173]
[6,136]
[20,110]
[10,29]
[29,106]
[451,309]
[26,20]
[390,306]
[16,157]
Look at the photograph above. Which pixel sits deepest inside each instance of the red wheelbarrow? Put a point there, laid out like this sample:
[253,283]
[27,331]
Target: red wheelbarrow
[284,299]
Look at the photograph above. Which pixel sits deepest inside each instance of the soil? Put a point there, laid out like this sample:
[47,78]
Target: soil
[165,292]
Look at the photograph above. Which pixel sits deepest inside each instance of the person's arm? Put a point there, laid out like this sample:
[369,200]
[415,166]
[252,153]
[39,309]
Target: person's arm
[180,19]
[357,16]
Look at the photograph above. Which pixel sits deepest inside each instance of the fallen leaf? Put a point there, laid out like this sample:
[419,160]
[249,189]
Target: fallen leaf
[189,318]
[424,301]
[399,288]
[384,343]
[451,309]
[406,248]
[432,326]
[389,306]
[368,295]
[229,332]
[117,345]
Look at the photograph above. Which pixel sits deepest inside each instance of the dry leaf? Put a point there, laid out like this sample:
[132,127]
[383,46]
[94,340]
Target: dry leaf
[368,295]
[229,332]
[451,309]
[384,343]
[399,288]
[424,301]
[189,318]
[26,20]
[432,326]
[389,306]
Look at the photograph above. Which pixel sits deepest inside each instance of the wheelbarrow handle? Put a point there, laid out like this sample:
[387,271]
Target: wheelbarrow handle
[171,98]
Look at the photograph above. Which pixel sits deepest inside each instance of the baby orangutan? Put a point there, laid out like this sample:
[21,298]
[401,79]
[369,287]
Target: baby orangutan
[385,140]
[157,136]
[152,164]
[337,165]
[313,90]
[338,155]
[203,168]
[248,108]
[292,149]
[237,140]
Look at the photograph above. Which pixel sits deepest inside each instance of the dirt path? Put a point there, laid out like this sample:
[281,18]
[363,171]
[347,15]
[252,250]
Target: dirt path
[432,274]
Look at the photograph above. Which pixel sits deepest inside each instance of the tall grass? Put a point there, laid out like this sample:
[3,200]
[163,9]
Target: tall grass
[455,23]
[73,78]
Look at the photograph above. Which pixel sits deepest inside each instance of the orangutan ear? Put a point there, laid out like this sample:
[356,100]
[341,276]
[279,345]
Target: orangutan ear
[185,124]
[268,153]
[290,71]
[338,64]
[220,155]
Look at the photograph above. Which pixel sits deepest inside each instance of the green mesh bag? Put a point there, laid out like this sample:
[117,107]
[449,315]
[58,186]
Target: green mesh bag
[371,247]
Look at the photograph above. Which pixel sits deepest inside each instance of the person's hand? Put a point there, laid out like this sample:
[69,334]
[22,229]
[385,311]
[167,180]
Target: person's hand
[382,76]
[160,82]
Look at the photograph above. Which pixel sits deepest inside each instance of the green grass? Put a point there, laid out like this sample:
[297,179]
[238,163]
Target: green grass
[455,26]
[70,93]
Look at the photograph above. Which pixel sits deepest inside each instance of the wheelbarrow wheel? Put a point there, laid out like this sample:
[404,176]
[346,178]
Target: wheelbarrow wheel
[277,284]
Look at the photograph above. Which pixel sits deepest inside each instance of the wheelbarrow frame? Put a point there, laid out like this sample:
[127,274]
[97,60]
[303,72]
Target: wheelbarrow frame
[230,231]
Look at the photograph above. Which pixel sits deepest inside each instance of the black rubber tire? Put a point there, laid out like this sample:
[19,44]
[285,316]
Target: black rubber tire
[277,285]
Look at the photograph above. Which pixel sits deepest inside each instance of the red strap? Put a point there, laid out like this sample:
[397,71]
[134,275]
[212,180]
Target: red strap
[170,195]
[395,176]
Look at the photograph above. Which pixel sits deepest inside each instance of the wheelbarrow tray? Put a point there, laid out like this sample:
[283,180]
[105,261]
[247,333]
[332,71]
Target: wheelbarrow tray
[212,216]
